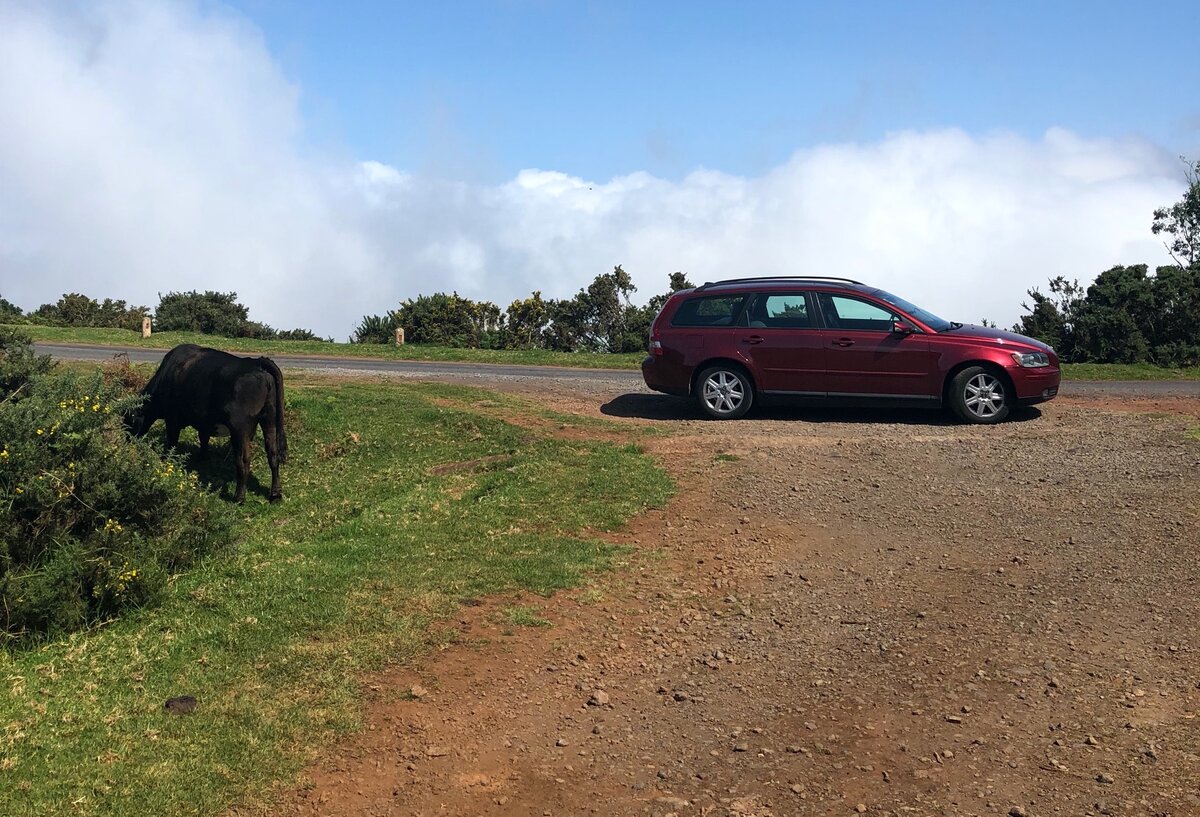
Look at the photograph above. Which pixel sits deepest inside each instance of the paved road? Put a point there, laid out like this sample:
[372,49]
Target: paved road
[617,378]
[629,378]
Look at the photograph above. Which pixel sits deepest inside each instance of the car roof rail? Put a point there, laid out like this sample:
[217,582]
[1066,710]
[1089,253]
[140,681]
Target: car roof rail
[776,279]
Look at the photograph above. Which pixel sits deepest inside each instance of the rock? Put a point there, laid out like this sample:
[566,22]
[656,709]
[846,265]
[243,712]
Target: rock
[1105,779]
[560,742]
[418,691]
[436,751]
[598,698]
[1017,811]
[861,808]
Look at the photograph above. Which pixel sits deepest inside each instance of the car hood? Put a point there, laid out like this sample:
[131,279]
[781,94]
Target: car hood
[999,335]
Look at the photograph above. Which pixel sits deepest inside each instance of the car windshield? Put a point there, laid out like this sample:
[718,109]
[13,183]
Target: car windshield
[924,316]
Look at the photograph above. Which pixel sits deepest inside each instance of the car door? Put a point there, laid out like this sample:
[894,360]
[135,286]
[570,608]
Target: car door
[781,337]
[865,358]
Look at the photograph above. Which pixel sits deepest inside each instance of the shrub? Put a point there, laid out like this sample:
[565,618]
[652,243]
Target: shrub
[450,320]
[9,311]
[120,374]
[300,334]
[92,522]
[376,329]
[73,309]
[210,313]
[18,363]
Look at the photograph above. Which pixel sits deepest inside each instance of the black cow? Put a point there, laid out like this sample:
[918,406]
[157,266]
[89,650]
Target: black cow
[209,390]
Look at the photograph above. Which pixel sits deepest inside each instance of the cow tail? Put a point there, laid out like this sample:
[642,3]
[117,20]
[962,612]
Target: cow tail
[280,433]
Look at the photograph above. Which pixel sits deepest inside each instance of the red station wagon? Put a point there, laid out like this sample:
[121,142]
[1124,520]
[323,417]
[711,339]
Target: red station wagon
[825,340]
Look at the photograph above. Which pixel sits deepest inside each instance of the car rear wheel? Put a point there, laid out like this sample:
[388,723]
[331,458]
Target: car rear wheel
[724,392]
[980,395]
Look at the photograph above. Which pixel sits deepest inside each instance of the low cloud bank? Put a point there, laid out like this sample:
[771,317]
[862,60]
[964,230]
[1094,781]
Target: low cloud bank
[153,147]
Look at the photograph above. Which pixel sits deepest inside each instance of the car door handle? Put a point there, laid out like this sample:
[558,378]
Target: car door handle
[753,339]
[843,342]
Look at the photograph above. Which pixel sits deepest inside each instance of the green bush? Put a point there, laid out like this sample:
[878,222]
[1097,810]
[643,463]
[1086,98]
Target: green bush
[92,523]
[9,311]
[376,329]
[450,320]
[210,313]
[300,334]
[18,363]
[73,309]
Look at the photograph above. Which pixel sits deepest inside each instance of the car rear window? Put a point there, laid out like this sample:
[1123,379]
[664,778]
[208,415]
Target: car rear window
[717,310]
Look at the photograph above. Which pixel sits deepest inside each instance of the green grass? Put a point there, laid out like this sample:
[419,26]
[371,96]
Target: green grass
[400,502]
[1126,371]
[522,616]
[166,340]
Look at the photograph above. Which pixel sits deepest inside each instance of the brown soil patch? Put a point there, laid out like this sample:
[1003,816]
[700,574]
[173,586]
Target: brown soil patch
[865,613]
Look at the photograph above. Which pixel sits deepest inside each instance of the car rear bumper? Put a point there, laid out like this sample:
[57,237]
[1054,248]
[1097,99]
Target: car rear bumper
[664,378]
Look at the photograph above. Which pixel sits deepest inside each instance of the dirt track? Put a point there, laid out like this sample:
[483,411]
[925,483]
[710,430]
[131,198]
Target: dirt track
[840,613]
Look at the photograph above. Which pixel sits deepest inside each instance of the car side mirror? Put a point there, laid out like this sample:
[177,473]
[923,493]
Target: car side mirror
[902,328]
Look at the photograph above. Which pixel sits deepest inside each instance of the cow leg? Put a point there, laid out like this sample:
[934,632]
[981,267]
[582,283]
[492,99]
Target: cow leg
[271,446]
[239,444]
[173,429]
[204,438]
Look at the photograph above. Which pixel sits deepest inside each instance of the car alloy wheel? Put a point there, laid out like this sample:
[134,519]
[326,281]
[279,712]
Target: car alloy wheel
[980,396]
[724,393]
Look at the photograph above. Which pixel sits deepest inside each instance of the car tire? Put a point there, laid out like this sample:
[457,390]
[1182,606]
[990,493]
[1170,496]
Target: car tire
[724,392]
[981,395]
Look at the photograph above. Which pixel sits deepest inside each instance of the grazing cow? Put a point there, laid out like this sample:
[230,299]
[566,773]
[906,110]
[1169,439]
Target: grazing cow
[212,390]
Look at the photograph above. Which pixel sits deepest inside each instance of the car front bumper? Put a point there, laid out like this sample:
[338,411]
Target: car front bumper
[1035,385]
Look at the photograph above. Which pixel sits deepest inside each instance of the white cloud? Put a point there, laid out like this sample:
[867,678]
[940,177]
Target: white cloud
[150,147]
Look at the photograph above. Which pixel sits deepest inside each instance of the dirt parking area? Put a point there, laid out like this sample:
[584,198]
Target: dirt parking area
[841,613]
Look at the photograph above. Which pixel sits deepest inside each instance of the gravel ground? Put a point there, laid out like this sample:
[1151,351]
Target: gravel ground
[841,613]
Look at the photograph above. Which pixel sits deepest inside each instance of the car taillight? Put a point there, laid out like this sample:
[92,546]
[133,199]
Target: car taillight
[656,347]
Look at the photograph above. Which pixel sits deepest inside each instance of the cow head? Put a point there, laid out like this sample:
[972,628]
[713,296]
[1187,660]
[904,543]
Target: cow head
[137,419]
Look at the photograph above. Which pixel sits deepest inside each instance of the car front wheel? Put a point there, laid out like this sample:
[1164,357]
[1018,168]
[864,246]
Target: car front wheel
[979,395]
[724,392]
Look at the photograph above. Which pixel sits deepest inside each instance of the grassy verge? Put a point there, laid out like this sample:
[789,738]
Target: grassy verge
[1126,371]
[401,501]
[166,340]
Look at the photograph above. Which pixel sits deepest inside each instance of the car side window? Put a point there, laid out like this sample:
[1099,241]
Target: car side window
[718,310]
[780,311]
[841,312]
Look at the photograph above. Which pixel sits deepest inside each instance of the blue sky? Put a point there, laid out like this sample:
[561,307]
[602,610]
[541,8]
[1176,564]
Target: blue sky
[481,90]
[328,160]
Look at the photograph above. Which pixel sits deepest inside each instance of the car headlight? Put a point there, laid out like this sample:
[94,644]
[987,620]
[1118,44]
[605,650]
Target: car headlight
[1031,360]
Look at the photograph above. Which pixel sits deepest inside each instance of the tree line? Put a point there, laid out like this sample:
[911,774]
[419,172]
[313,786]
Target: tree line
[601,317]
[208,313]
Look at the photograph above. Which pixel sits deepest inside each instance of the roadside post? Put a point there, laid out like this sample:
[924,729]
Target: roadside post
[145,326]
[399,335]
